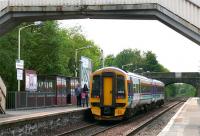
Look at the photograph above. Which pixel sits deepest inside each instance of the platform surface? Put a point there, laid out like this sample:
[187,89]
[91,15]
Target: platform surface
[186,122]
[12,116]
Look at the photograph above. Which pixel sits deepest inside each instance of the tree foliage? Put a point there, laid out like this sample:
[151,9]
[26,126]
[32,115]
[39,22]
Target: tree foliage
[135,60]
[47,49]
[180,90]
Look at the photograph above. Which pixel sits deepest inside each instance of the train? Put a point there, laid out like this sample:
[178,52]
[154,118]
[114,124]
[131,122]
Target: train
[116,94]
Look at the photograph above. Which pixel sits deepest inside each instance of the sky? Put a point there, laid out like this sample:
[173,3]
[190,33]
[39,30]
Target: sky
[173,51]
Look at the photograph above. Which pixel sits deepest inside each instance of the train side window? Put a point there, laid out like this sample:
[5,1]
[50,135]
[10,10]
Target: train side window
[137,88]
[120,86]
[134,88]
[96,86]
[130,89]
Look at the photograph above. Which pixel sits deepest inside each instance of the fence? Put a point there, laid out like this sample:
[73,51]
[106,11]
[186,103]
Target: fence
[29,100]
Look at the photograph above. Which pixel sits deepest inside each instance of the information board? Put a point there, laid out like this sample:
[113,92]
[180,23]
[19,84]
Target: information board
[85,71]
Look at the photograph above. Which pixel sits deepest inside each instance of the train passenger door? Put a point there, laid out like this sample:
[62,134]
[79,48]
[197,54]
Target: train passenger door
[107,88]
[136,85]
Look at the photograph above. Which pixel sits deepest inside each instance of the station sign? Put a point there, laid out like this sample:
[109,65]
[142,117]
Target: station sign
[19,74]
[19,64]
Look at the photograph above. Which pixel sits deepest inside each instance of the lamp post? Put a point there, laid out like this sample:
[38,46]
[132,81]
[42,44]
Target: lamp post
[126,65]
[76,51]
[19,42]
[137,69]
[146,72]
[102,57]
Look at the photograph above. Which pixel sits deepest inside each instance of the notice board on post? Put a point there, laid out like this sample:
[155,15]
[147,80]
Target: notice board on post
[30,80]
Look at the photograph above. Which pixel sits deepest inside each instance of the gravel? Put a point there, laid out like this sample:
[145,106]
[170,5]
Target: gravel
[155,127]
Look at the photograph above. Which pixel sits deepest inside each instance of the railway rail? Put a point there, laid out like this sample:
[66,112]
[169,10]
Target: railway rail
[129,127]
[141,125]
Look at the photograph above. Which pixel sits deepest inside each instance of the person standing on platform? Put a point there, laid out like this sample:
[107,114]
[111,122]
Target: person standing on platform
[83,98]
[78,95]
[85,90]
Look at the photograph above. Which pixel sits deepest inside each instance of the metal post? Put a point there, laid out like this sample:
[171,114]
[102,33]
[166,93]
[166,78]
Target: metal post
[15,99]
[26,99]
[76,63]
[102,58]
[45,99]
[36,99]
[19,55]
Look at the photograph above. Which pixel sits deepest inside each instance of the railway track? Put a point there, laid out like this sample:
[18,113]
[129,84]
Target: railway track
[129,127]
[142,125]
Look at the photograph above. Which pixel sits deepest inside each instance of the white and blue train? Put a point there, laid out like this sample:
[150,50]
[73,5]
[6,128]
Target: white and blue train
[116,94]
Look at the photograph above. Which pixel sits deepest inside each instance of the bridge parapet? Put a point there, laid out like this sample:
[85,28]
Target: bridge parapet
[3,4]
[187,9]
[192,78]
[173,75]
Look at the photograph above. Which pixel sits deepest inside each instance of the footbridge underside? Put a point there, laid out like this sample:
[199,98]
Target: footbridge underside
[13,12]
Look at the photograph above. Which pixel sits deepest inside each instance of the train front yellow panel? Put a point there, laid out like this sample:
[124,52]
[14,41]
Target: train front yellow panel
[96,111]
[107,81]
[120,111]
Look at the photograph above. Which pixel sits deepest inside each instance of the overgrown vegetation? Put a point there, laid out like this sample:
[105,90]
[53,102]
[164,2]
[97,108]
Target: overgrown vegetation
[46,49]
[147,61]
[180,90]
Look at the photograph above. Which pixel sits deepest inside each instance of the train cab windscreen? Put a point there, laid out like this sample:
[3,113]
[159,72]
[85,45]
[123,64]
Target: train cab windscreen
[120,87]
[96,87]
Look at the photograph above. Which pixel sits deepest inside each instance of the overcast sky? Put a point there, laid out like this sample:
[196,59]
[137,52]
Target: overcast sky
[173,51]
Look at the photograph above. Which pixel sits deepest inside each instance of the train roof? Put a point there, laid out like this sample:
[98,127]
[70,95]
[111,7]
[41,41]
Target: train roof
[147,80]
[138,76]
[142,78]
[157,82]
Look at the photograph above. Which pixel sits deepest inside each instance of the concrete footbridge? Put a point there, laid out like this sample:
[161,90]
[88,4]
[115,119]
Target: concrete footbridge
[192,78]
[181,15]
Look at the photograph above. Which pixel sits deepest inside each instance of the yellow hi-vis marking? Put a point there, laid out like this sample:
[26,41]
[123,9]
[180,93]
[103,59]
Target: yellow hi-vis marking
[107,81]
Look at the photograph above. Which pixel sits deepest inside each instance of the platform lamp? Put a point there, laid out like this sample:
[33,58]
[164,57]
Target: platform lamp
[137,69]
[130,64]
[37,23]
[76,52]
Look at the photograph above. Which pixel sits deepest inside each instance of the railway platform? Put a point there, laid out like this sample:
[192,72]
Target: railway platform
[36,121]
[186,122]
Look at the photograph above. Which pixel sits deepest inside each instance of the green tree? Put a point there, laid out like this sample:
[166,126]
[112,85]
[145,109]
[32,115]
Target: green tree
[129,56]
[109,60]
[180,90]
[47,49]
[147,61]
